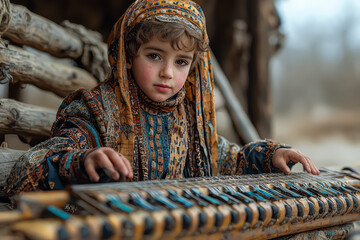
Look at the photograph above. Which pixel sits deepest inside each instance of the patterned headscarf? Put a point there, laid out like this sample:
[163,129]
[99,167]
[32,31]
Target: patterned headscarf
[199,87]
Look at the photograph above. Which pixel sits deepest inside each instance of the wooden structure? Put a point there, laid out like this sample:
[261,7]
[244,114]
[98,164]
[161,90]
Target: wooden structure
[244,34]
[76,57]
[61,58]
[52,57]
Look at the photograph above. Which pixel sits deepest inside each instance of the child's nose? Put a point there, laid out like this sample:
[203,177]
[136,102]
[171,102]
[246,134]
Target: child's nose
[166,71]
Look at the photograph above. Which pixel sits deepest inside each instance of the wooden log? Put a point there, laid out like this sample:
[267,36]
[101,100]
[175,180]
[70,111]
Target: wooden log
[24,67]
[8,158]
[273,22]
[68,40]
[5,15]
[33,30]
[242,124]
[95,56]
[32,123]
[259,90]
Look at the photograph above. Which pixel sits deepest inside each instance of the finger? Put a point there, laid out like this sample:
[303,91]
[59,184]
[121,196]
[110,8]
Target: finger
[283,167]
[298,157]
[122,178]
[104,162]
[127,164]
[317,172]
[93,175]
[117,162]
[111,173]
[314,169]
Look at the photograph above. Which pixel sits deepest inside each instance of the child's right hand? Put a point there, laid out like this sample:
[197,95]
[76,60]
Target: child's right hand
[107,158]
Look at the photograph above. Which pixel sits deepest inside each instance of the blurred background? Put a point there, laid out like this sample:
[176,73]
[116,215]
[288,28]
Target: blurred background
[316,80]
[312,67]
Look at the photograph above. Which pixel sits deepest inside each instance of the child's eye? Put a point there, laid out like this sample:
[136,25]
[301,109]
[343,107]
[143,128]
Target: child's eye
[153,56]
[182,62]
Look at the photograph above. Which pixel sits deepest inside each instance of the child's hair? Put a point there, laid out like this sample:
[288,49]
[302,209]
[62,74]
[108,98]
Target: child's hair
[168,31]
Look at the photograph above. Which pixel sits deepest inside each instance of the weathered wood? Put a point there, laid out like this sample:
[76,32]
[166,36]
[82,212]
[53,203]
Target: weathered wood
[33,30]
[242,124]
[273,22]
[95,57]
[259,90]
[8,158]
[70,40]
[5,15]
[24,67]
[31,123]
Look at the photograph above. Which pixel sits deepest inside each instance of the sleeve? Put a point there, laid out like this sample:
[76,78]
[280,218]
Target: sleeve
[58,161]
[253,158]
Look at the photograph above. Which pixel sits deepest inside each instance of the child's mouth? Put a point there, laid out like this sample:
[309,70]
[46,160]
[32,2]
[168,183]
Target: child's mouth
[162,87]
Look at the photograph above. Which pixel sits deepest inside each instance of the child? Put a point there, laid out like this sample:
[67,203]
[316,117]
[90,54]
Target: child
[153,118]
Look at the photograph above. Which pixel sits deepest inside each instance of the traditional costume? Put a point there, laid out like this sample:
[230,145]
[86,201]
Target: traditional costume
[176,138]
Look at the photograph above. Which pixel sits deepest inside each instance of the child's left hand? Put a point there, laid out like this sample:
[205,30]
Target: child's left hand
[283,155]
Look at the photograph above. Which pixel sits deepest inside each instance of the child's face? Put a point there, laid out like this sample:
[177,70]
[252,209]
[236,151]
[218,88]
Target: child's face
[160,70]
